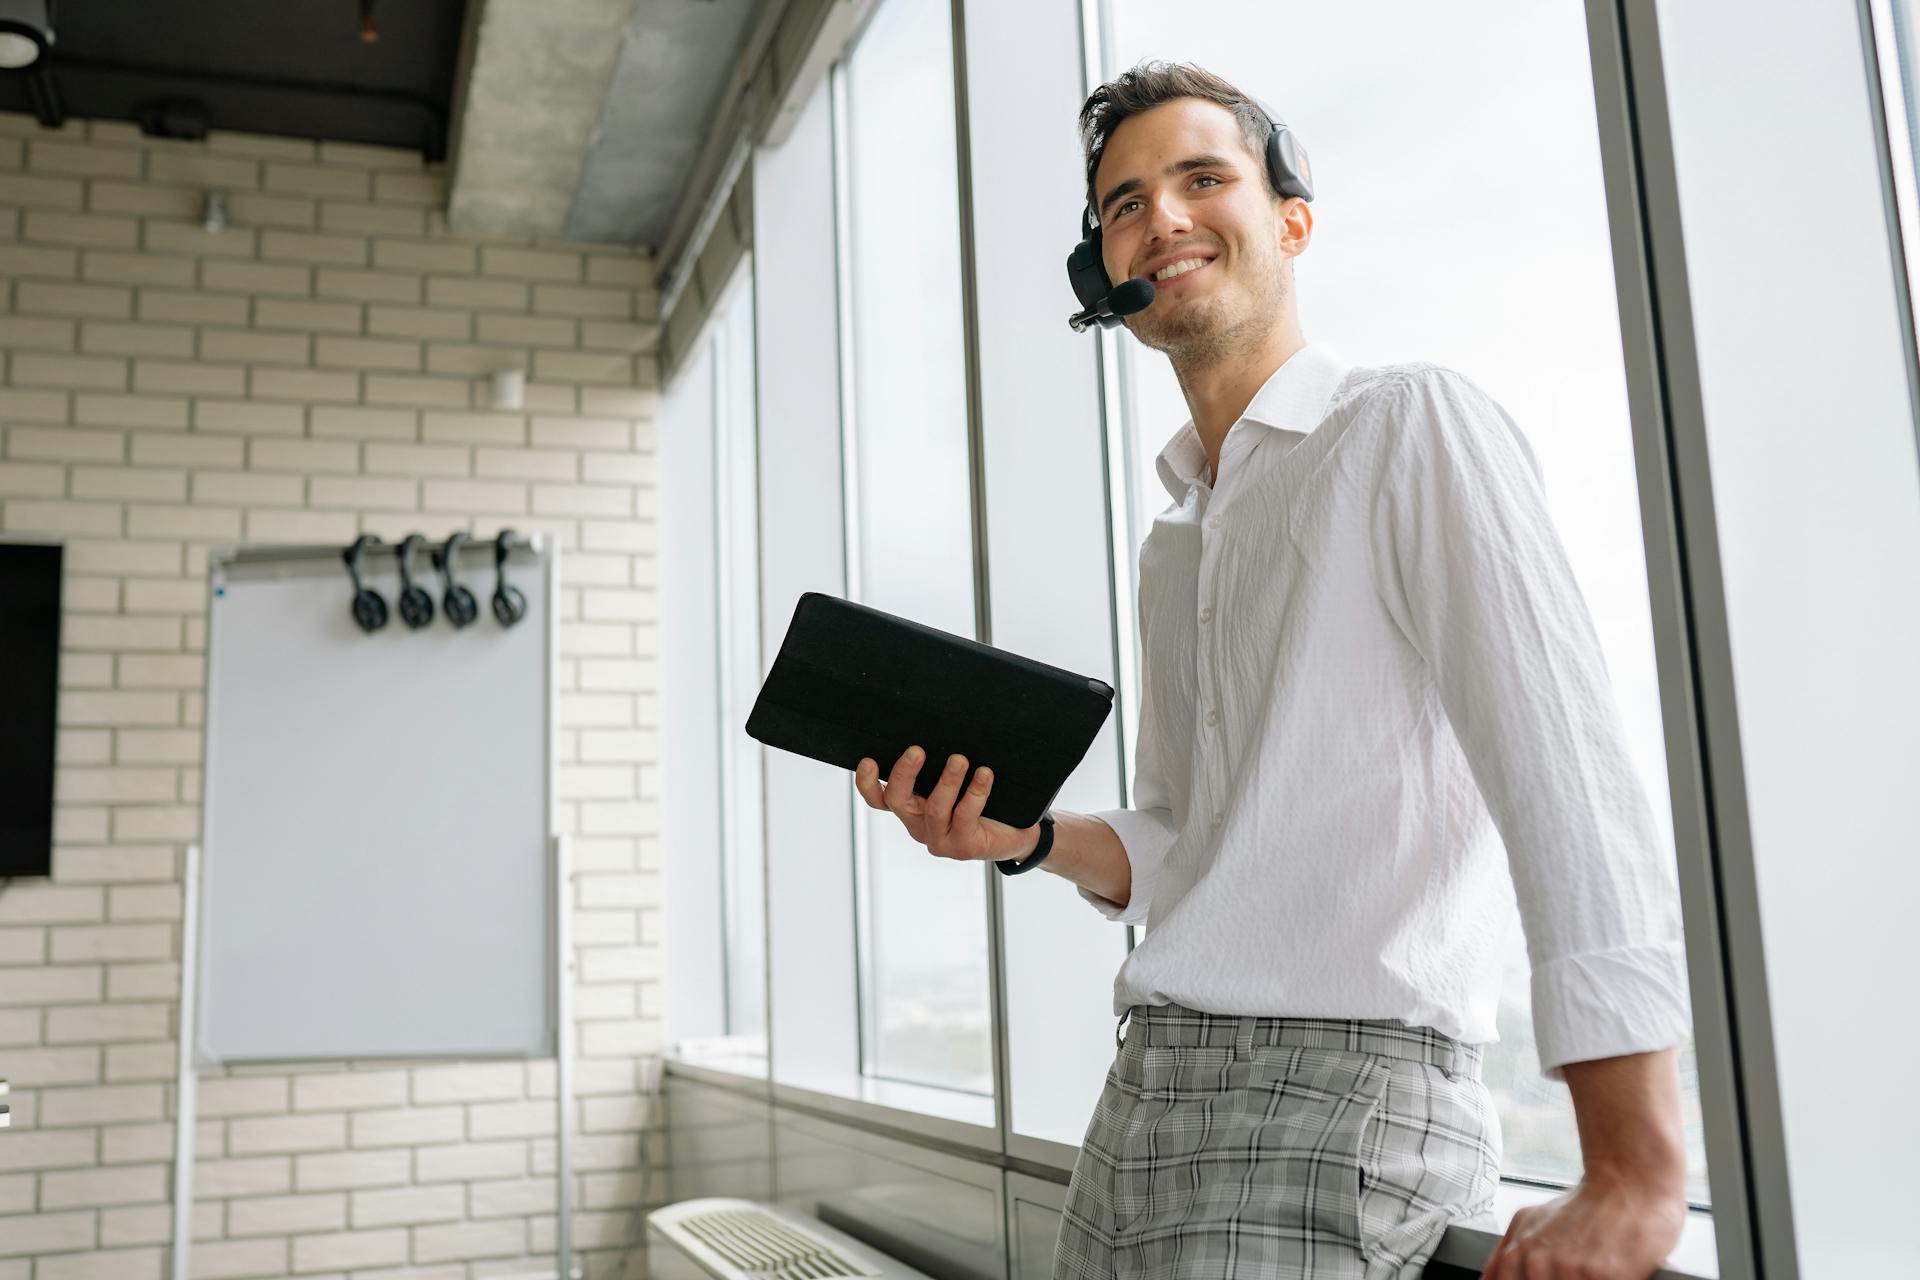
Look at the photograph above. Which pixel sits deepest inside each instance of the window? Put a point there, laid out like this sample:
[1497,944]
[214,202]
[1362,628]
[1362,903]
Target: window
[923,961]
[1460,218]
[737,542]
[712,653]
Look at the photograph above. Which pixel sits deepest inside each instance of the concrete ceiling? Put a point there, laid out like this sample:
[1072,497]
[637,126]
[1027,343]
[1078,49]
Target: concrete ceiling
[582,118]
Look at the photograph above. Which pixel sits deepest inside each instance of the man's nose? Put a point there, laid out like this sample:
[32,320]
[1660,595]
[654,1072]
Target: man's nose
[1167,218]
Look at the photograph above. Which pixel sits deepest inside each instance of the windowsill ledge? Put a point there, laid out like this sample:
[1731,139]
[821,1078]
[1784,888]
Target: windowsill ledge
[1468,1244]
[949,1115]
[720,1058]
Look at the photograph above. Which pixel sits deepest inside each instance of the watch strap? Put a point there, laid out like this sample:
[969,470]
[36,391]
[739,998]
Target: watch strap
[1010,867]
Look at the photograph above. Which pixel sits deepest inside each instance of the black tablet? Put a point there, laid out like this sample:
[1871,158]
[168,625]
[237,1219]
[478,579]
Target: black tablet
[852,682]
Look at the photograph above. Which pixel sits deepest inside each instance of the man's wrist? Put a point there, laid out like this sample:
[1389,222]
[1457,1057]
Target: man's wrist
[1035,856]
[1640,1175]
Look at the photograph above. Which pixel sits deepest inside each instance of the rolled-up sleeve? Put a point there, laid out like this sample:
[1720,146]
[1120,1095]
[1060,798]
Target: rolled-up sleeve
[1147,830]
[1465,557]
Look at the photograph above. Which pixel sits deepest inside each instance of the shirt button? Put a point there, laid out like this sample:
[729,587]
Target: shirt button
[1206,614]
[1213,522]
[1213,716]
[1218,818]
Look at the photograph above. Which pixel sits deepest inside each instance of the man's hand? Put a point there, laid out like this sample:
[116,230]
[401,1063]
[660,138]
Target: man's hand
[1601,1230]
[1624,1218]
[947,822]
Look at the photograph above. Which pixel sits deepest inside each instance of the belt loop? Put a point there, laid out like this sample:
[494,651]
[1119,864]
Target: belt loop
[1243,1037]
[1120,1032]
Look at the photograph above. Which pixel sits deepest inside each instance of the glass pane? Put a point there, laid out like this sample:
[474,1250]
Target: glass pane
[1460,218]
[924,969]
[692,799]
[737,529]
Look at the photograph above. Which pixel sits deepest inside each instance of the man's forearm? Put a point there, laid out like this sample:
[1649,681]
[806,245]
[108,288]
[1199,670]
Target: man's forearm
[1087,852]
[1628,1111]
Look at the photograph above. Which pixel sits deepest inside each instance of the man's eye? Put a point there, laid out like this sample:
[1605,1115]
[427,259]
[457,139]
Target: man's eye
[1126,208]
[1207,177]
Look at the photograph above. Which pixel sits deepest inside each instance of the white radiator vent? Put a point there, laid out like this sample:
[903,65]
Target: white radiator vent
[730,1239]
[765,1248]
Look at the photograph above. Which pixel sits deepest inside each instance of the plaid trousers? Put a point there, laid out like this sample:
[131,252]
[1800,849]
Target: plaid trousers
[1225,1148]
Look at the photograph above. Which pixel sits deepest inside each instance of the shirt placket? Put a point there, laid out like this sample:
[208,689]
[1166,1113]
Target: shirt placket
[1207,705]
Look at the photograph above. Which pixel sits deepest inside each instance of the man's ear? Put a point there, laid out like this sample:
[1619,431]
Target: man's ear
[1295,224]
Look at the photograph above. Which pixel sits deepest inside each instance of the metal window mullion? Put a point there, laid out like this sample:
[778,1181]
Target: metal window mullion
[982,578]
[1890,81]
[1116,442]
[723,647]
[851,511]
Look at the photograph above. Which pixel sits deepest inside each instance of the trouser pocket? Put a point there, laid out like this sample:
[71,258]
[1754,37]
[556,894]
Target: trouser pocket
[1265,1145]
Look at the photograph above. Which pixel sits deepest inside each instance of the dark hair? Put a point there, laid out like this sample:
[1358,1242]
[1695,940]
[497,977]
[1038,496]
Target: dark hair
[1151,84]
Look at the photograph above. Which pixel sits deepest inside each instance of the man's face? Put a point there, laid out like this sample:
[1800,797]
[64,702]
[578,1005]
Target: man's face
[1177,185]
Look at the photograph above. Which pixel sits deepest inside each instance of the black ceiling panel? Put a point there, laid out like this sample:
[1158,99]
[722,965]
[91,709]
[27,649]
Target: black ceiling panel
[297,68]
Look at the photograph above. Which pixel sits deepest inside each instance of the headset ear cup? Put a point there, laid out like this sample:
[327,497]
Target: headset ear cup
[509,605]
[1085,270]
[369,610]
[1287,166]
[416,607]
[460,605]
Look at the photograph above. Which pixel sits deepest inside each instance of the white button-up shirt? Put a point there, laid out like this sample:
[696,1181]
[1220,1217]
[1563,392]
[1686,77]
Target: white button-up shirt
[1374,708]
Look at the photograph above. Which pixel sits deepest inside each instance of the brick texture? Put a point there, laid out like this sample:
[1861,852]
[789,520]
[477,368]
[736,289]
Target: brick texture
[314,371]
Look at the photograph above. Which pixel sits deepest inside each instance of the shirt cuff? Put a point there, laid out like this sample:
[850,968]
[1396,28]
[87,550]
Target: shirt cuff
[1606,1004]
[1145,835]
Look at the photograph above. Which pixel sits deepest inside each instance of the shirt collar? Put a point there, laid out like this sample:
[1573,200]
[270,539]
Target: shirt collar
[1293,399]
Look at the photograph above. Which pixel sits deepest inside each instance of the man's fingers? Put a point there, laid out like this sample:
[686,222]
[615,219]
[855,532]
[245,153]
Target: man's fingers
[866,780]
[940,803]
[967,811]
[899,792]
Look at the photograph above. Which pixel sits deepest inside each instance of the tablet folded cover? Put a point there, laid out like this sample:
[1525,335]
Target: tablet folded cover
[852,682]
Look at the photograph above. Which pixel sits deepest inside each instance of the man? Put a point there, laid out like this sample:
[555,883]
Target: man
[1371,696]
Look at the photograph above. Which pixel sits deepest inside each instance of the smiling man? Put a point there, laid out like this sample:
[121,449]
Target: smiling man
[1374,711]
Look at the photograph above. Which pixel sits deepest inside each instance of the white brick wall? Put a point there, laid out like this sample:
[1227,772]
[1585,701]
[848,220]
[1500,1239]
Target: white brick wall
[315,371]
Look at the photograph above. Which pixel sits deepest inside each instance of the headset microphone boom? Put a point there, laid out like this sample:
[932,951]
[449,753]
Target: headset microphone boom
[1119,302]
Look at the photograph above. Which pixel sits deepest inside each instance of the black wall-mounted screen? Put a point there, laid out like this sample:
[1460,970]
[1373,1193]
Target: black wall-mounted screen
[29,694]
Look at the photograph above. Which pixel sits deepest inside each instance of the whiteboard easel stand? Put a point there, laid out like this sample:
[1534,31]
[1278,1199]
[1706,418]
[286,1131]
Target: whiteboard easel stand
[186,1080]
[563,1031]
[186,1077]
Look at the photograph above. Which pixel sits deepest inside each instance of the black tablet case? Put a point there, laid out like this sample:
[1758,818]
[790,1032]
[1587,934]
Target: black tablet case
[852,682]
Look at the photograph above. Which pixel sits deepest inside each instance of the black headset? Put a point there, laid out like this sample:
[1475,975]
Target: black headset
[416,606]
[1287,170]
[509,605]
[369,610]
[458,601]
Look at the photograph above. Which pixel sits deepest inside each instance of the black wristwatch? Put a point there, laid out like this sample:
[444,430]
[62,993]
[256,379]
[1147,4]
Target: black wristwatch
[1009,867]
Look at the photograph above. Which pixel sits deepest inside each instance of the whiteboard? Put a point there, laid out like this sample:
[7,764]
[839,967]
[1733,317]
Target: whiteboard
[377,876]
